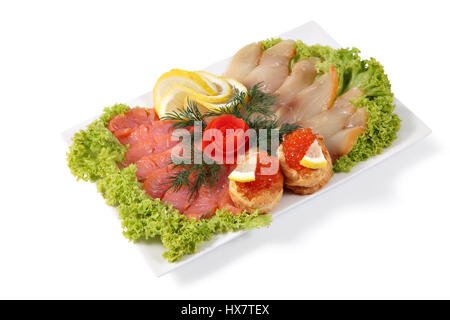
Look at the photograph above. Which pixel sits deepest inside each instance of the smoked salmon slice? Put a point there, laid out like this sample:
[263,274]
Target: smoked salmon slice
[226,202]
[149,163]
[157,182]
[132,119]
[204,206]
[154,145]
[146,132]
[180,199]
[210,199]
[223,194]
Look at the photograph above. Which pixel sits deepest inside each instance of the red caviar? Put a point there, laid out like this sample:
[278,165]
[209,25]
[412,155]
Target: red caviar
[262,179]
[295,145]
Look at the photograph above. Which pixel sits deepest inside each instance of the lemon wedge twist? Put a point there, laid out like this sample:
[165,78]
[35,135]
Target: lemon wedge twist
[175,88]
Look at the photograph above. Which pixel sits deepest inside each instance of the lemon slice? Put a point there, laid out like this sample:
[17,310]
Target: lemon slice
[174,99]
[235,85]
[184,78]
[314,158]
[245,171]
[238,86]
[175,88]
[222,86]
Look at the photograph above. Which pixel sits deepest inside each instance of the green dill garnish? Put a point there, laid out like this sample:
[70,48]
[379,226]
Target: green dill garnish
[185,116]
[194,176]
[259,102]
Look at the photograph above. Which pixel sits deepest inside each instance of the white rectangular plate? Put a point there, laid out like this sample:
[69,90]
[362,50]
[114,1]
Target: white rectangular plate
[412,130]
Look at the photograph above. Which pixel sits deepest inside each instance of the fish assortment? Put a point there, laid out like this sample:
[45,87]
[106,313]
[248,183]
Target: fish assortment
[330,107]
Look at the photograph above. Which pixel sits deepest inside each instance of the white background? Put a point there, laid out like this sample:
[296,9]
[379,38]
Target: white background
[384,234]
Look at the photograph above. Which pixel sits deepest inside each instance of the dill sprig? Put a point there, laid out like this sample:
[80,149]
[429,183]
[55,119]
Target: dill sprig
[259,102]
[185,116]
[194,176]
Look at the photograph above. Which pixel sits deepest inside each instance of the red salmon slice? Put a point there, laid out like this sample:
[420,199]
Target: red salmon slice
[132,119]
[225,202]
[146,132]
[180,199]
[157,182]
[209,200]
[223,194]
[149,163]
[122,133]
[204,206]
[148,147]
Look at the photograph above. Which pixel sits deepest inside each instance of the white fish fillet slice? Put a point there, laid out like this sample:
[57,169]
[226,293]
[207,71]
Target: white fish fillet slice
[302,75]
[312,100]
[244,61]
[273,67]
[330,121]
[358,119]
[343,141]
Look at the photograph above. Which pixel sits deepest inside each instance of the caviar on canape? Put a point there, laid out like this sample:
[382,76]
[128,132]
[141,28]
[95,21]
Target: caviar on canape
[264,192]
[305,161]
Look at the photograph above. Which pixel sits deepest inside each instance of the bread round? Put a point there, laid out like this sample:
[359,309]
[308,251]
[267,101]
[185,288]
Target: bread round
[264,200]
[310,190]
[311,181]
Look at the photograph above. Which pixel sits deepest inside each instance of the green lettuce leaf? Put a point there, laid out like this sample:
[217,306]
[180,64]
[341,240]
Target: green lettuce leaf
[266,44]
[95,151]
